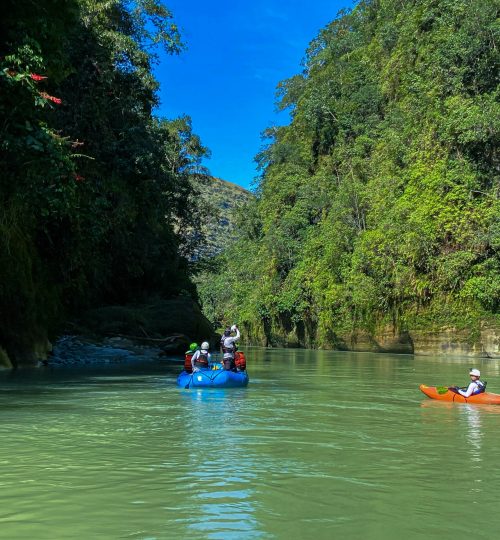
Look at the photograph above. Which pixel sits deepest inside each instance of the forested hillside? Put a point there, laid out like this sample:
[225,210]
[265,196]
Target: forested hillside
[221,202]
[93,186]
[378,213]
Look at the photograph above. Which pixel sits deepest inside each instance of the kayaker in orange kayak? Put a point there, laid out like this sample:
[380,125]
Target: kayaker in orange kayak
[476,386]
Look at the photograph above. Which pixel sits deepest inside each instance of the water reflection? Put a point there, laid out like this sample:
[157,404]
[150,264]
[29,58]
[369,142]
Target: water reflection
[463,425]
[472,417]
[221,484]
[474,435]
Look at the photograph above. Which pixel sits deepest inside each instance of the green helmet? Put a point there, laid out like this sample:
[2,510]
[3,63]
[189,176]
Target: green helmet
[192,348]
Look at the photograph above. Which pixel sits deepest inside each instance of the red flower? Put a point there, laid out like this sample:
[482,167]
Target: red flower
[51,98]
[78,177]
[36,77]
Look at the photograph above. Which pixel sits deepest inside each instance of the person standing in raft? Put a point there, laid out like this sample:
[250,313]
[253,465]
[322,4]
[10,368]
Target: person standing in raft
[229,347]
[201,358]
[476,386]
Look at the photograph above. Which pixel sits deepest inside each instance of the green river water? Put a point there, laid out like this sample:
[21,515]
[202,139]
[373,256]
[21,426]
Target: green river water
[321,445]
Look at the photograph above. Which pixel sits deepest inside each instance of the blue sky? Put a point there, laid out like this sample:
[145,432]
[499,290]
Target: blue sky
[237,52]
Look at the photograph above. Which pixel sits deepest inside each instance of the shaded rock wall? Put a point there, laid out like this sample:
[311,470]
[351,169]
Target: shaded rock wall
[157,319]
[27,355]
[5,361]
[179,319]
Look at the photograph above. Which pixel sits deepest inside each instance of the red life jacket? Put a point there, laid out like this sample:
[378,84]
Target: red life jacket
[187,362]
[240,361]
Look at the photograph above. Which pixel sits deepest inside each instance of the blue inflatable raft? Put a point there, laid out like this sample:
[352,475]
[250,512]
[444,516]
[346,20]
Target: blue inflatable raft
[210,378]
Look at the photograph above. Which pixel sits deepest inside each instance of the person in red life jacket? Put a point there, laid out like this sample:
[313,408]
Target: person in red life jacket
[188,355]
[475,386]
[229,346]
[201,358]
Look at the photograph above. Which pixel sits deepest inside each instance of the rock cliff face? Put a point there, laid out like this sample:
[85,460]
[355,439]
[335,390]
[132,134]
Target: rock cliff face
[446,341]
[453,342]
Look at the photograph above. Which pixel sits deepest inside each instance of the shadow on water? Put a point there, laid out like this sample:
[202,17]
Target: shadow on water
[45,385]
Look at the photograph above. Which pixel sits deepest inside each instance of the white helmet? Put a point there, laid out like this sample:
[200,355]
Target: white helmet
[205,346]
[475,372]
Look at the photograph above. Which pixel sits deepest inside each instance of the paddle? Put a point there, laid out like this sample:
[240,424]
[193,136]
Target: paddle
[443,389]
[190,379]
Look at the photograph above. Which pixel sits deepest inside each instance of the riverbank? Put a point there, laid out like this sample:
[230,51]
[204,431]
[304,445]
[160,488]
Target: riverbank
[80,351]
[446,341]
[110,335]
[164,326]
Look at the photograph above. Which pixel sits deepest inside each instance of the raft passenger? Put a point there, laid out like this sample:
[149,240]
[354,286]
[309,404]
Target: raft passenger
[229,347]
[201,358]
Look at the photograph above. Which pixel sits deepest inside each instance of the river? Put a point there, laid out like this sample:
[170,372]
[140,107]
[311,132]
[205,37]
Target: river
[321,445]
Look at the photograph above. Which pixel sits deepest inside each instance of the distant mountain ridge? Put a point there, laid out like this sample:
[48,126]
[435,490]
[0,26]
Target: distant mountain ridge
[224,199]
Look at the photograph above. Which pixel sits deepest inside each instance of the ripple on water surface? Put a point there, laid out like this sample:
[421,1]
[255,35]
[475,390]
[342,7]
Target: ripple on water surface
[320,444]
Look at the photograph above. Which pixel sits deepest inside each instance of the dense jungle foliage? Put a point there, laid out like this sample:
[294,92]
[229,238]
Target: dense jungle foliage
[95,190]
[379,203]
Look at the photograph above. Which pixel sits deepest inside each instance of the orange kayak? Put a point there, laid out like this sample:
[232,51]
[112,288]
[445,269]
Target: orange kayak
[443,394]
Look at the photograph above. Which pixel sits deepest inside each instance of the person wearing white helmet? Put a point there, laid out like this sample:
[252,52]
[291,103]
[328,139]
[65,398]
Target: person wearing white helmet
[201,358]
[476,386]
[229,346]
